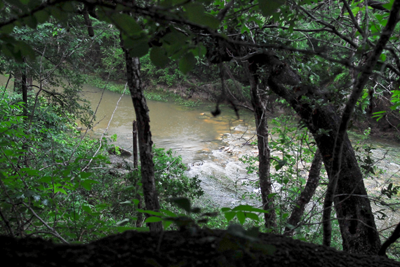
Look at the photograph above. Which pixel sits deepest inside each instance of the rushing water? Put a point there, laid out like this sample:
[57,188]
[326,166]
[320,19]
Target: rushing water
[191,132]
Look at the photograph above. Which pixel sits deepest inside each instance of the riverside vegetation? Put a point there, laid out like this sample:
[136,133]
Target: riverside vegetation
[331,63]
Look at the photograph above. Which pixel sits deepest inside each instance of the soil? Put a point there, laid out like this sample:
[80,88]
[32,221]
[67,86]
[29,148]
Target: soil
[185,248]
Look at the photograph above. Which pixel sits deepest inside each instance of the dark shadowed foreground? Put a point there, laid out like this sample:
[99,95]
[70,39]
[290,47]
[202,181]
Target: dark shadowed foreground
[204,248]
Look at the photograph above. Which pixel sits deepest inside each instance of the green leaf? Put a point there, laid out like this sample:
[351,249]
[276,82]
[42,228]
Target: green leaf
[140,49]
[166,224]
[126,24]
[241,217]
[187,63]
[169,213]
[24,2]
[383,57]
[196,210]
[150,212]
[68,6]
[389,5]
[152,220]
[26,50]
[159,57]
[87,209]
[182,203]
[59,14]
[85,174]
[122,229]
[59,189]
[30,21]
[199,51]
[229,215]
[7,29]
[41,16]
[268,7]
[126,203]
[195,13]
[137,47]
[248,208]
[87,184]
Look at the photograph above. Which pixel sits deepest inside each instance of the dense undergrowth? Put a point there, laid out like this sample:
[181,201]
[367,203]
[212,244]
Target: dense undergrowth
[57,184]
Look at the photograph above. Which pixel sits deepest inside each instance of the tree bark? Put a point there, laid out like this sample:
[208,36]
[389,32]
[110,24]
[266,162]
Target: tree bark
[353,209]
[144,134]
[306,194]
[259,107]
[341,131]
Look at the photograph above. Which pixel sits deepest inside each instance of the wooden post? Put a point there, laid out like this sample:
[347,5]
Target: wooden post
[135,150]
[135,167]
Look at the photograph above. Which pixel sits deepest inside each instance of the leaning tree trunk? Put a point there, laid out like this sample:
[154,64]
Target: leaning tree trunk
[353,209]
[144,134]
[306,194]
[259,106]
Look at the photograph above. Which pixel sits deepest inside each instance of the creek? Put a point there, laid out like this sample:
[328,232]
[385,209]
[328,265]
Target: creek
[211,147]
[192,133]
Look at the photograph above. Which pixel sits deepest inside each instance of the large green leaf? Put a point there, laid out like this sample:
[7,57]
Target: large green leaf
[241,217]
[137,47]
[268,7]
[31,21]
[158,57]
[41,16]
[187,63]
[26,50]
[199,51]
[195,13]
[389,5]
[126,24]
[152,219]
[182,203]
[7,29]
[59,14]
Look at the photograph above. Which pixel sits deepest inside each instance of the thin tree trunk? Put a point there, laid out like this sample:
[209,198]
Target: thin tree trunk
[135,167]
[24,90]
[144,134]
[259,106]
[306,194]
[135,150]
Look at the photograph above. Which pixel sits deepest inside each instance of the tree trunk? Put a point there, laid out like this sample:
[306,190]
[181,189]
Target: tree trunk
[306,194]
[259,105]
[144,134]
[353,209]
